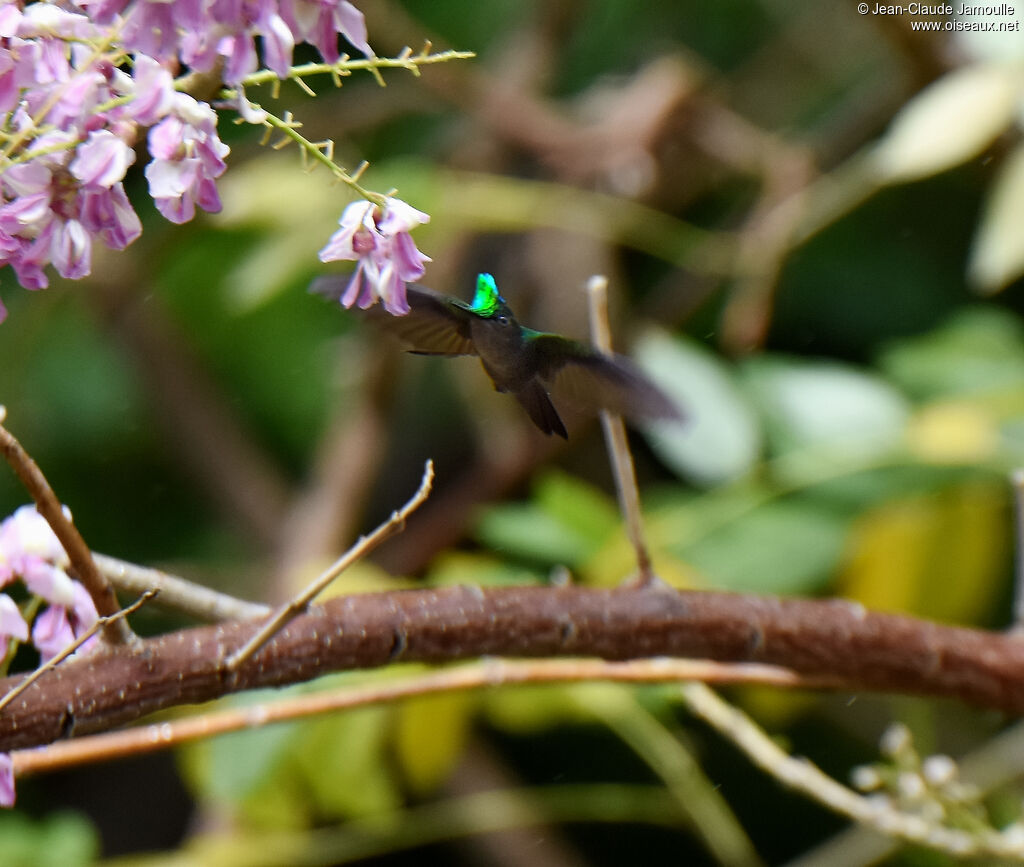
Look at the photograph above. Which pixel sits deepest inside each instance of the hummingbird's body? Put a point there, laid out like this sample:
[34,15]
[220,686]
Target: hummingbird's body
[520,361]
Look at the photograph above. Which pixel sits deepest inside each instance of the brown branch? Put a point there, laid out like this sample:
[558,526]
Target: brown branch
[116,630]
[834,639]
[52,663]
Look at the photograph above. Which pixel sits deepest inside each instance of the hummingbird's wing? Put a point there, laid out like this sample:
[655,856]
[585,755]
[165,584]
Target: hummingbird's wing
[434,325]
[596,381]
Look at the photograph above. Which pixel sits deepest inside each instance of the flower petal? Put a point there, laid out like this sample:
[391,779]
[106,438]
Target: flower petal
[6,780]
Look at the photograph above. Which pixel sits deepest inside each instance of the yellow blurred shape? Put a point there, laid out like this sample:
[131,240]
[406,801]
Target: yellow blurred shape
[363,576]
[939,555]
[953,432]
[430,735]
[615,561]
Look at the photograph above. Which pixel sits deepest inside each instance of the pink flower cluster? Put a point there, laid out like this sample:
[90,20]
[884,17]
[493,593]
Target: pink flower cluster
[199,33]
[30,551]
[80,80]
[387,257]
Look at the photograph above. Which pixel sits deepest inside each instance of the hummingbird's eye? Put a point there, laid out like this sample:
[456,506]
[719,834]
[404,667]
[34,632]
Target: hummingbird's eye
[502,320]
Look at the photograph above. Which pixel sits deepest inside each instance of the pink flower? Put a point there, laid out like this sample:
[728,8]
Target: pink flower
[320,21]
[12,624]
[26,537]
[6,780]
[386,254]
[187,158]
[56,208]
[72,103]
[102,159]
[59,625]
[48,581]
[109,215]
[154,91]
[52,632]
[29,550]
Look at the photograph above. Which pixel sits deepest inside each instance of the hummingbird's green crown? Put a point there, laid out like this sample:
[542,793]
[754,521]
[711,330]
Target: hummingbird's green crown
[486,300]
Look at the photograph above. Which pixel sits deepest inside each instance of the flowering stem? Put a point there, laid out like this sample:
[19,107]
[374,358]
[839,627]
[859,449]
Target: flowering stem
[32,129]
[345,66]
[803,776]
[290,129]
[322,153]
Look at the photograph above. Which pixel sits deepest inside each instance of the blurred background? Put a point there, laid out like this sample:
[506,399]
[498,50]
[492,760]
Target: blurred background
[812,221]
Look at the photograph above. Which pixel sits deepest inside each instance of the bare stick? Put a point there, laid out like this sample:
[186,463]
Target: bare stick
[478,675]
[178,593]
[1017,483]
[615,435]
[73,646]
[365,544]
[805,777]
[115,630]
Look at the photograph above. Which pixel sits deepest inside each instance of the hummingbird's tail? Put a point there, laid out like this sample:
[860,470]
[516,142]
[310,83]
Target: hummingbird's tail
[534,398]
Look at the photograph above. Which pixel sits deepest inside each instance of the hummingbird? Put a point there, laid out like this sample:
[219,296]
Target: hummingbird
[522,362]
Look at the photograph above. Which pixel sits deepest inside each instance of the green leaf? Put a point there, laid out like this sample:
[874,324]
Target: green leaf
[949,122]
[567,521]
[980,350]
[527,710]
[526,530]
[287,774]
[719,439]
[343,761]
[462,567]
[227,768]
[61,838]
[787,546]
[997,255]
[828,408]
[579,507]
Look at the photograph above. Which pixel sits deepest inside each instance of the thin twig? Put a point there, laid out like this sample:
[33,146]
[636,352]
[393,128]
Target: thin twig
[1017,483]
[803,776]
[615,435]
[995,764]
[116,630]
[365,544]
[178,593]
[674,762]
[73,646]
[477,675]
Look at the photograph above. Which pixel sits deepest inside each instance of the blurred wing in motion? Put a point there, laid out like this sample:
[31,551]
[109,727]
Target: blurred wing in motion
[434,325]
[595,381]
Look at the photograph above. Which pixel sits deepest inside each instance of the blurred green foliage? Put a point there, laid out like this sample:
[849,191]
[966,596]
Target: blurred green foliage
[60,838]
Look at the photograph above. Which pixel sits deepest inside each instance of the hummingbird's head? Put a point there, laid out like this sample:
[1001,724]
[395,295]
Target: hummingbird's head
[487,302]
